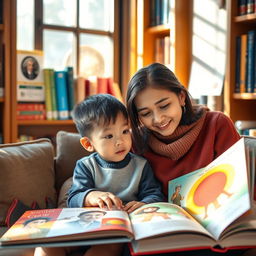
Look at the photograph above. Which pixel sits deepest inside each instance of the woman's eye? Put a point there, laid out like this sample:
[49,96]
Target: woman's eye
[165,106]
[109,136]
[126,131]
[145,114]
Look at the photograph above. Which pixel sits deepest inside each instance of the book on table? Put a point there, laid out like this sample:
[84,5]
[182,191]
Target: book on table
[216,212]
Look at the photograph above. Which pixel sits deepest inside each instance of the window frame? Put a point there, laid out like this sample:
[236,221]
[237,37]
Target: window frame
[40,26]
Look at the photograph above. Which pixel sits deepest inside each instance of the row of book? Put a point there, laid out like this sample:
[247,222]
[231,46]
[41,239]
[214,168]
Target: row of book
[246,7]
[246,127]
[55,99]
[245,80]
[162,50]
[159,12]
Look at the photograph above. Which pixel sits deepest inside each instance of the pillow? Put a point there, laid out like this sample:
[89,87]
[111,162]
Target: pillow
[26,174]
[16,209]
[63,195]
[69,150]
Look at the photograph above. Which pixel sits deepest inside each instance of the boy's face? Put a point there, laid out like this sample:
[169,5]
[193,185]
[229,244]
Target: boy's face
[112,141]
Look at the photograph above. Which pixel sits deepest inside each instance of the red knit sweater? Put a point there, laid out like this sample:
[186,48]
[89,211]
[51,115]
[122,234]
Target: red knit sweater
[217,134]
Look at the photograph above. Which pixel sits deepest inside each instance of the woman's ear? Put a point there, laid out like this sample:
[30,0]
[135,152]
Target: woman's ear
[85,142]
[182,98]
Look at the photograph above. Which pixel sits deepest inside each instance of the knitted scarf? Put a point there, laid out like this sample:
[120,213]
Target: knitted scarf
[177,144]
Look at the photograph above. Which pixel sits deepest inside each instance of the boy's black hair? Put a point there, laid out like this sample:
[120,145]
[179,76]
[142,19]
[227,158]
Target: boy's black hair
[95,109]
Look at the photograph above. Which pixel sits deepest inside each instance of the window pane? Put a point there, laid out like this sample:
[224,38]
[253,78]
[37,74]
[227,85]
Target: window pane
[58,45]
[60,12]
[96,55]
[97,14]
[25,24]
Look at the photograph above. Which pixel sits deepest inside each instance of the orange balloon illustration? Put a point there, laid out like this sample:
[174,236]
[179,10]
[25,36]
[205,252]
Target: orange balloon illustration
[209,187]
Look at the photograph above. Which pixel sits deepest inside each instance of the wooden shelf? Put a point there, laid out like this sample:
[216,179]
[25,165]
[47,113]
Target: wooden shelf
[249,18]
[245,96]
[1,99]
[45,122]
[163,29]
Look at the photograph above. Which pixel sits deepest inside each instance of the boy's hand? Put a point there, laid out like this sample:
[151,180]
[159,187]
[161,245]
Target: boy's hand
[133,205]
[103,200]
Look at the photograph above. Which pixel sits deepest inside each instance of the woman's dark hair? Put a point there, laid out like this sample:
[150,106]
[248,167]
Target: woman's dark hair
[95,109]
[155,75]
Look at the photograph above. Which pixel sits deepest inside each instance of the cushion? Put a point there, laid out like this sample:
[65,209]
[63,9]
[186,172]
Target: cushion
[26,174]
[69,150]
[14,212]
[63,195]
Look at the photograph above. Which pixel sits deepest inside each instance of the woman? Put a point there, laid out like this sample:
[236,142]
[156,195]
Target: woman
[175,135]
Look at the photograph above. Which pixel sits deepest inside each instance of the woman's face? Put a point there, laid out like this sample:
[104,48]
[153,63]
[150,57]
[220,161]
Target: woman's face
[159,110]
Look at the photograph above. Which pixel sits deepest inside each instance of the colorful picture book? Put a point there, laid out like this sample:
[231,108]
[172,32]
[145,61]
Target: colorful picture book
[216,212]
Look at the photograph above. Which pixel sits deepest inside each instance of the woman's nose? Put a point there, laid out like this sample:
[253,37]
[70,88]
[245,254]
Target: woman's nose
[157,118]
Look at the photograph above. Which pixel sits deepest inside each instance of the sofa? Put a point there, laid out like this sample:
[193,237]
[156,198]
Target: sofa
[35,175]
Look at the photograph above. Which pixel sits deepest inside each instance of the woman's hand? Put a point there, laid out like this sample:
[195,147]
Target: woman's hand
[103,200]
[133,205]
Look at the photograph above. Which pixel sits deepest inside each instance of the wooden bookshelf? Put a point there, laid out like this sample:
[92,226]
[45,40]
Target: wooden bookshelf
[5,101]
[239,106]
[181,42]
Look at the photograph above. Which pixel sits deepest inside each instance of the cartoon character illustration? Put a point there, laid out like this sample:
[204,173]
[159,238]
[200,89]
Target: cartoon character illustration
[176,196]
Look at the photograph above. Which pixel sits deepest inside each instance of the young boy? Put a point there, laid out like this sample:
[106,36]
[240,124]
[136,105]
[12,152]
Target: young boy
[112,176]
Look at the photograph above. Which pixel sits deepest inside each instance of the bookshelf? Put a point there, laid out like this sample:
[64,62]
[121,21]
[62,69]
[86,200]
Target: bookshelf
[239,106]
[180,18]
[5,101]
[34,128]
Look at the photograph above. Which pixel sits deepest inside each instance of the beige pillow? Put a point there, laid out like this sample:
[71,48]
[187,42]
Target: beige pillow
[26,173]
[69,150]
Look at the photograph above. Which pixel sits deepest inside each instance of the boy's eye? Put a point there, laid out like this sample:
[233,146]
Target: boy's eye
[126,131]
[109,136]
[165,106]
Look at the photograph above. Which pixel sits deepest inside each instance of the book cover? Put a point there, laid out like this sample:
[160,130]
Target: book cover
[61,94]
[30,82]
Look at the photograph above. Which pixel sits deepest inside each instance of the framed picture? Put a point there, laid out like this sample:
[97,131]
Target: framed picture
[30,82]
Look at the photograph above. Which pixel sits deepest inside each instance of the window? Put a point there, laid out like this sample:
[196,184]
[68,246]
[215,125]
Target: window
[79,33]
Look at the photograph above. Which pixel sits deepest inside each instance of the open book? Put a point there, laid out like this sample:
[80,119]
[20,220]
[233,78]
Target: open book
[221,218]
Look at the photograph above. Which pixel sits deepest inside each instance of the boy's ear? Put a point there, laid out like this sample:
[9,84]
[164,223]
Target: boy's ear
[85,142]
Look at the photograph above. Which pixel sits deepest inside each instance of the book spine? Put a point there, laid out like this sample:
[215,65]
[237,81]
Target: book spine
[242,7]
[250,6]
[102,85]
[243,61]
[238,60]
[80,89]
[53,95]
[61,92]
[114,89]
[250,60]
[70,85]
[48,97]
[30,106]
[30,93]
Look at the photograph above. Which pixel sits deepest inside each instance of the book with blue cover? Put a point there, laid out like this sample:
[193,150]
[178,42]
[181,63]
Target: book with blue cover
[61,94]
